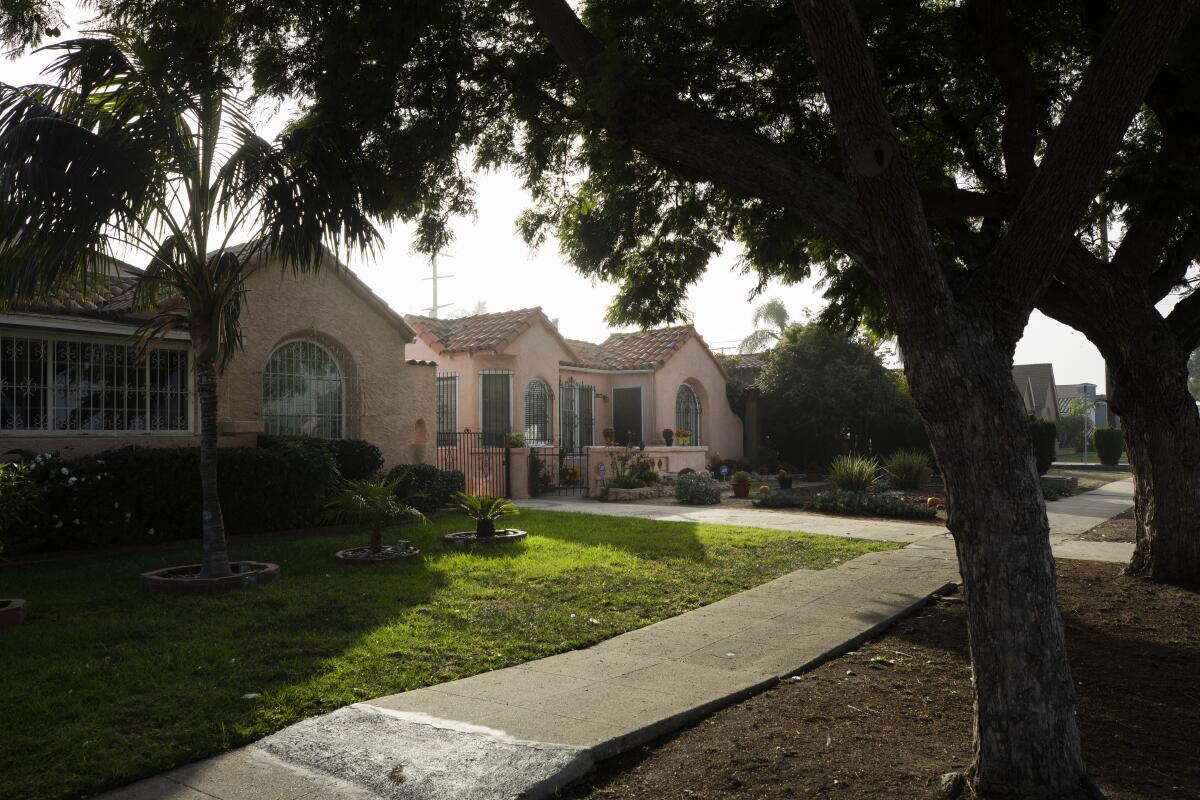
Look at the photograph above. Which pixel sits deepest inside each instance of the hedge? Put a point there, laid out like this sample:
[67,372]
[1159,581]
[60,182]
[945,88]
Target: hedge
[1109,444]
[136,495]
[356,460]
[425,487]
[1045,442]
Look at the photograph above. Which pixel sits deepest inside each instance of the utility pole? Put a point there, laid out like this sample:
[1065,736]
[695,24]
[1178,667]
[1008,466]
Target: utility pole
[434,277]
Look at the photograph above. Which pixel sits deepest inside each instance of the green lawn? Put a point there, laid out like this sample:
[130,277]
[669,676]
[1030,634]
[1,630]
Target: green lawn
[105,684]
[1092,457]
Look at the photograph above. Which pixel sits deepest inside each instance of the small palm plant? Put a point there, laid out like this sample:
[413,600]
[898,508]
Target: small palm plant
[370,503]
[485,510]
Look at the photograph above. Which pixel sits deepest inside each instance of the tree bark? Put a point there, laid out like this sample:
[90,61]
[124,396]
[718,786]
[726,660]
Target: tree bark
[376,538]
[215,560]
[1162,436]
[1026,741]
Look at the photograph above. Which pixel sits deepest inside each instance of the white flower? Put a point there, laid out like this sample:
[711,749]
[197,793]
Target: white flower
[72,481]
[59,525]
[64,471]
[117,504]
[77,520]
[151,531]
[128,514]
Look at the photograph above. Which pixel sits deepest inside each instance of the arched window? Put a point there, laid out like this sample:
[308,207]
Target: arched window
[537,413]
[687,412]
[303,392]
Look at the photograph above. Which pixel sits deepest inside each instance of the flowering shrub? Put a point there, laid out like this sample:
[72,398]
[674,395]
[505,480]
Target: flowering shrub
[134,495]
[697,489]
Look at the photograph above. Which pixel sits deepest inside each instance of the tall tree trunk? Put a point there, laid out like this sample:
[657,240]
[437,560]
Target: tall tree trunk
[1026,741]
[215,560]
[1162,436]
[376,538]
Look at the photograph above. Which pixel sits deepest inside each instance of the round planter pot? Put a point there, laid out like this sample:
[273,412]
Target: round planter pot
[363,555]
[465,538]
[12,612]
[741,490]
[184,579]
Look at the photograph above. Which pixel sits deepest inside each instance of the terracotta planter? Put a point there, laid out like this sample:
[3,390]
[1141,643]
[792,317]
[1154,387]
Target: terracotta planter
[12,612]
[363,555]
[183,580]
[466,538]
[741,490]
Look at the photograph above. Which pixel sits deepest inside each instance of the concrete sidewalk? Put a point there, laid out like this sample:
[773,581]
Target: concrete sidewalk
[528,730]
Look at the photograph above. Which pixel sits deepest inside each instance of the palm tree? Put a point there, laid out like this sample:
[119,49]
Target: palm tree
[771,320]
[116,155]
[370,503]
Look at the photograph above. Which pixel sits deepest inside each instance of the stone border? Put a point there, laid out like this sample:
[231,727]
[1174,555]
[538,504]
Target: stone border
[387,554]
[12,611]
[464,538]
[168,581]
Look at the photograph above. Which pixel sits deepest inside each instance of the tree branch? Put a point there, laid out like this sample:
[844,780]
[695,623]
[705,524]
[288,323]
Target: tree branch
[1079,154]
[683,137]
[1007,58]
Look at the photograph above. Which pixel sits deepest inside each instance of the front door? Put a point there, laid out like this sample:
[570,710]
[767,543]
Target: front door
[627,415]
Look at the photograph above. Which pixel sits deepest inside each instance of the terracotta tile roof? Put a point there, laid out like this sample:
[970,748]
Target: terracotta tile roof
[749,362]
[112,297]
[640,350]
[476,333]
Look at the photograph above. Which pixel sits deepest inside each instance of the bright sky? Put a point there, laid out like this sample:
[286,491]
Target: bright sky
[490,263]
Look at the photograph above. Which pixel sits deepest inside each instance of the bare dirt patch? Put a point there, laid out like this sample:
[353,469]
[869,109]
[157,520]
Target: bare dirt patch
[1121,528]
[888,719]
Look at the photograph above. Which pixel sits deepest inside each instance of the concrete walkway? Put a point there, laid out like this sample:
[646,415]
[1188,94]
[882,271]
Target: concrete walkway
[528,730]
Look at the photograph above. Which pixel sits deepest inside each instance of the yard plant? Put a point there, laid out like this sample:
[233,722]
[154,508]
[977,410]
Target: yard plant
[111,685]
[129,149]
[1109,444]
[852,473]
[370,503]
[485,510]
[907,469]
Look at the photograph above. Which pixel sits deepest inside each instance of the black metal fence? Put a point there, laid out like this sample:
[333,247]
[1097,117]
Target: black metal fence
[483,461]
[557,470]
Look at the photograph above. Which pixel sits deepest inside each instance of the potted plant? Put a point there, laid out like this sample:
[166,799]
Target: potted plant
[668,436]
[485,510]
[741,483]
[683,436]
[516,440]
[373,504]
[785,480]
[18,501]
[609,436]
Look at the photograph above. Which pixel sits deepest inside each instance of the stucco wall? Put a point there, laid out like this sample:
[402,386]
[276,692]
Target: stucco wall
[720,427]
[386,397]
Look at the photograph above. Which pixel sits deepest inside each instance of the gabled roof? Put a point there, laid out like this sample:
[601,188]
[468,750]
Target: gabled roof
[746,362]
[640,350]
[1036,384]
[480,333]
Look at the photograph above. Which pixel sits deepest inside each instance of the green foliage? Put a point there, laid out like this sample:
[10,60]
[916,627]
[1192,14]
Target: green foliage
[540,479]
[697,489]
[1045,442]
[741,476]
[19,497]
[136,495]
[355,459]
[854,473]
[1110,442]
[907,469]
[485,510]
[822,390]
[369,503]
[1072,424]
[632,470]
[870,505]
[425,487]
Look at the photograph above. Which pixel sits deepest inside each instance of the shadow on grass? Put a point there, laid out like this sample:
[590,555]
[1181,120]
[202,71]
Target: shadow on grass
[127,684]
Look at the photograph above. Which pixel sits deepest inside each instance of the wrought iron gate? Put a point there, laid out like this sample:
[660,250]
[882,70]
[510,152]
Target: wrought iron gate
[481,459]
[558,471]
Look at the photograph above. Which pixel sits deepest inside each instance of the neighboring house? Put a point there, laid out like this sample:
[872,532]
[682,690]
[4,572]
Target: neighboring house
[513,371]
[1035,382]
[744,369]
[319,359]
[1084,392]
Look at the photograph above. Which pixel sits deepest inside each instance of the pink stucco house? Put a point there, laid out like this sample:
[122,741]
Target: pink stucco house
[513,371]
